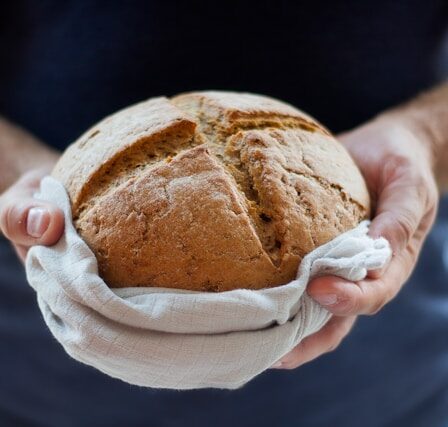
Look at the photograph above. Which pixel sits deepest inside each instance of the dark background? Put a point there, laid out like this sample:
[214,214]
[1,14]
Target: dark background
[66,64]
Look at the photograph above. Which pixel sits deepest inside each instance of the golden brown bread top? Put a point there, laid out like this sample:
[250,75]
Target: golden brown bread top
[209,191]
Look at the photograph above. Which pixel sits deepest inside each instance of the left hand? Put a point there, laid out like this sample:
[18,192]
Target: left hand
[397,167]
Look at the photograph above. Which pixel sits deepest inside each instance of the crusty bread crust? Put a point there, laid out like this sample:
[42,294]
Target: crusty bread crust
[209,191]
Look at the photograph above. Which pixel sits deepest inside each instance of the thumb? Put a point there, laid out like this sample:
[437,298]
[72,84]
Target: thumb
[27,221]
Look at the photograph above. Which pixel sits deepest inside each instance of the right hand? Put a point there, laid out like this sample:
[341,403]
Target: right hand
[396,164]
[27,221]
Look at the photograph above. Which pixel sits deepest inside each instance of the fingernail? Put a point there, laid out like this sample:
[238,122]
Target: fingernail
[326,299]
[277,365]
[37,222]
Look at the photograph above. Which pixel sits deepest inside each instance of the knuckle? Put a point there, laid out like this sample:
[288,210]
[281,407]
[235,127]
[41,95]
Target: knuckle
[353,301]
[401,231]
[384,295]
[424,184]
[351,305]
[398,161]
[397,165]
[405,227]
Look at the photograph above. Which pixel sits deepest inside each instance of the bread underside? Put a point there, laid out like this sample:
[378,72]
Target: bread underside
[209,191]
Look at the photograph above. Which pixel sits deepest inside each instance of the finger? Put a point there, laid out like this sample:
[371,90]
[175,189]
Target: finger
[417,239]
[324,341]
[27,221]
[400,207]
[368,296]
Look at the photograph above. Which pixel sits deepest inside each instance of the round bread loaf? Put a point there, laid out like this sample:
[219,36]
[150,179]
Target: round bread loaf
[209,191]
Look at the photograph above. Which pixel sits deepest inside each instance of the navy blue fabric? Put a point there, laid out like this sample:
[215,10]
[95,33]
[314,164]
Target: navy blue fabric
[64,65]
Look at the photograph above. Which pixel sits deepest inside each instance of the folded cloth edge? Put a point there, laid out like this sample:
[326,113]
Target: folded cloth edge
[116,330]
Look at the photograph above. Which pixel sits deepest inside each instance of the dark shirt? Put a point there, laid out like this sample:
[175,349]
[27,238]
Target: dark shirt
[65,65]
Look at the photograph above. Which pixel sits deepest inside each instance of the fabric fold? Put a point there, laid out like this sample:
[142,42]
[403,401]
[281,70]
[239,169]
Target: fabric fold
[168,338]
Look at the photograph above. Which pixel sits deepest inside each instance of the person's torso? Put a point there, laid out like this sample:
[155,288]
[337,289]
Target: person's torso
[65,65]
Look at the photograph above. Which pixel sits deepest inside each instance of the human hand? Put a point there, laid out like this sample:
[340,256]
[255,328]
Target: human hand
[397,166]
[27,221]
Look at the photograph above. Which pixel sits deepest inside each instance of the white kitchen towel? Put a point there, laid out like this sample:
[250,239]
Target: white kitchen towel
[168,338]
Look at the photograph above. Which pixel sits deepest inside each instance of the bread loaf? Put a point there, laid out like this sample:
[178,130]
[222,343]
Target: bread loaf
[209,191]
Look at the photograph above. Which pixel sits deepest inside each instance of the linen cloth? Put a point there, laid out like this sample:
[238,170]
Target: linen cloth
[178,339]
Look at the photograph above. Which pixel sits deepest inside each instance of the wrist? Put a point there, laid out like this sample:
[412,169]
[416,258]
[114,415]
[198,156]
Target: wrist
[415,131]
[42,161]
[427,117]
[21,152]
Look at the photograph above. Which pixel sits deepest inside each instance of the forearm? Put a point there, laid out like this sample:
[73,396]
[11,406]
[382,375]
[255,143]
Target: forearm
[20,152]
[427,116]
